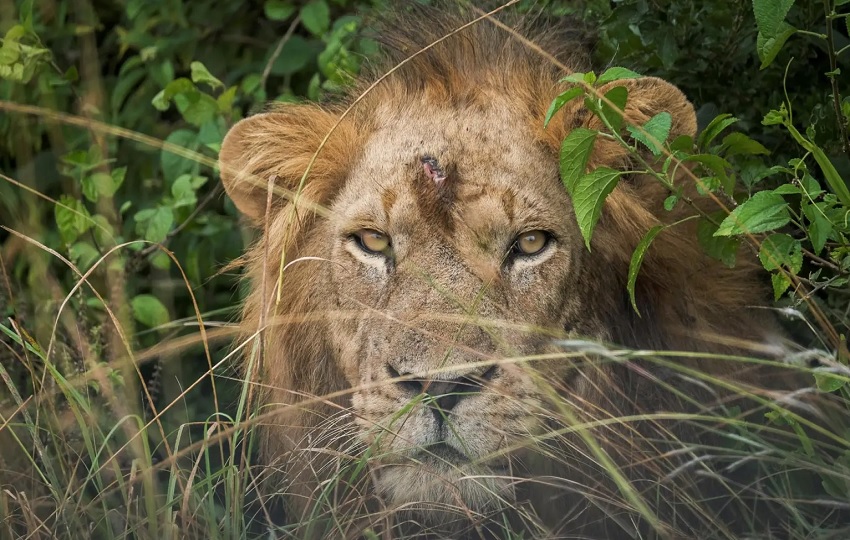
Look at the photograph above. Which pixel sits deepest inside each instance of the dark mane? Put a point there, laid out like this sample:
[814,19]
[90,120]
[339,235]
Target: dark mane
[472,63]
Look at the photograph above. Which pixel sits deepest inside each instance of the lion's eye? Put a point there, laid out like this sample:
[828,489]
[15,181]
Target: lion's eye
[531,242]
[372,241]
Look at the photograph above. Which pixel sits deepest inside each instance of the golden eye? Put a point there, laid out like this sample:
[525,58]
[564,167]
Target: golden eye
[373,241]
[531,242]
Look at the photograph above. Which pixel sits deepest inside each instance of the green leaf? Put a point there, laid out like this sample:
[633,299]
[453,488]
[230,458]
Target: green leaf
[637,261]
[294,56]
[181,86]
[84,255]
[225,100]
[201,110]
[829,382]
[97,185]
[780,250]
[721,248]
[148,310]
[714,128]
[737,143]
[278,10]
[562,99]
[614,115]
[775,117]
[769,47]
[770,14]
[183,191]
[658,128]
[9,55]
[154,224]
[316,17]
[118,175]
[617,74]
[820,227]
[200,74]
[589,194]
[780,283]
[575,152]
[174,165]
[72,218]
[579,78]
[764,211]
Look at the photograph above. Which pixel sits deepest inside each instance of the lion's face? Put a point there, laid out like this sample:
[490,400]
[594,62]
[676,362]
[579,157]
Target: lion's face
[432,254]
[430,240]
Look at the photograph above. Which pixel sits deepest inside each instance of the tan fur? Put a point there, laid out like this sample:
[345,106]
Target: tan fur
[450,305]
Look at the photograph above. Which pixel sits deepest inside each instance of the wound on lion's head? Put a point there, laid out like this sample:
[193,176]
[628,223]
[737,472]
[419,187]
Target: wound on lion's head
[433,170]
[434,187]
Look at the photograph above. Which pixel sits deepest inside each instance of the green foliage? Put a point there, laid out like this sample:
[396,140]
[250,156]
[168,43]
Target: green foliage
[111,119]
[803,201]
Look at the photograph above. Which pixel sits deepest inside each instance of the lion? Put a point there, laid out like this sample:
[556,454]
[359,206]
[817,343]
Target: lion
[427,307]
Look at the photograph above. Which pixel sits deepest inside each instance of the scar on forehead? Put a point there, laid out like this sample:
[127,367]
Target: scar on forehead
[433,170]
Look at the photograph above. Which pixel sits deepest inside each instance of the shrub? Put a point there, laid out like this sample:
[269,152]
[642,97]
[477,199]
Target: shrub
[112,218]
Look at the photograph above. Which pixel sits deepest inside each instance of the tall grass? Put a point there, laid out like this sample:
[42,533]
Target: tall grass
[91,445]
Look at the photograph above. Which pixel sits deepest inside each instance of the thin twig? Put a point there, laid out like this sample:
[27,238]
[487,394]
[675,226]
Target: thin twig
[268,69]
[833,67]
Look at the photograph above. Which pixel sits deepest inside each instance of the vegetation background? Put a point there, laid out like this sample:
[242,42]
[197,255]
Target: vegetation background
[111,117]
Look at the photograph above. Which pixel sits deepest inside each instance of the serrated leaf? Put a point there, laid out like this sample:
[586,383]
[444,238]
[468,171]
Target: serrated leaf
[764,211]
[768,47]
[780,250]
[780,283]
[575,152]
[787,189]
[637,260]
[589,194]
[148,310]
[714,128]
[820,227]
[278,10]
[724,249]
[578,77]
[72,218]
[658,128]
[770,14]
[316,17]
[562,99]
[617,74]
[200,74]
[154,224]
[618,96]
[737,144]
[183,191]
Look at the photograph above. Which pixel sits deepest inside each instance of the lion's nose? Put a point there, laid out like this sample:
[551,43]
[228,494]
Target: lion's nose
[443,395]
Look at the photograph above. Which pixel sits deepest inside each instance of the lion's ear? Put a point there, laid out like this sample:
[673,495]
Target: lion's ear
[281,144]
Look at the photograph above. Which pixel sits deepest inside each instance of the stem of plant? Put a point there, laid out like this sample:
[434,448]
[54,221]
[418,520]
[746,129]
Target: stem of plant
[836,94]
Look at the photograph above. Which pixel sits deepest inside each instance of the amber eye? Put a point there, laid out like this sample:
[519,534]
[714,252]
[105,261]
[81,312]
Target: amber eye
[372,241]
[531,242]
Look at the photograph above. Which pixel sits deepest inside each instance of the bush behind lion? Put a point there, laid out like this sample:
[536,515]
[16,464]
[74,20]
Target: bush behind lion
[112,119]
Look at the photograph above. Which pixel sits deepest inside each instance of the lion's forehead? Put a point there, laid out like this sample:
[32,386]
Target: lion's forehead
[488,158]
